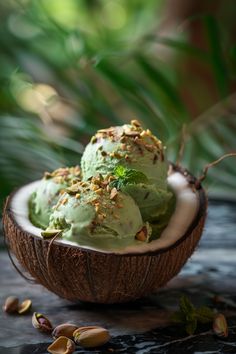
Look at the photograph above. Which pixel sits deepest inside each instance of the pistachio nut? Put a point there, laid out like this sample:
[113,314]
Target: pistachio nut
[65,329]
[24,306]
[220,326]
[11,304]
[62,345]
[91,337]
[41,322]
[49,233]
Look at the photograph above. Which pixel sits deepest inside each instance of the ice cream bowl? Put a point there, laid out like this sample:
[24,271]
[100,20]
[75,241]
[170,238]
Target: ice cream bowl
[76,272]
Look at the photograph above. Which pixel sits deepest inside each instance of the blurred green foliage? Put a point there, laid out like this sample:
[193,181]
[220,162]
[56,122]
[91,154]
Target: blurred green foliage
[71,67]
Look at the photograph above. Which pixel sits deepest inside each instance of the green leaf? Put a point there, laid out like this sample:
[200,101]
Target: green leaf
[218,62]
[204,314]
[119,171]
[186,306]
[127,176]
[157,76]
[191,326]
[178,317]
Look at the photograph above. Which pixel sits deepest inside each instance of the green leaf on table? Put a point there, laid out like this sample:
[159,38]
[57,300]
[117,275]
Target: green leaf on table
[191,326]
[204,314]
[186,306]
[178,317]
[189,316]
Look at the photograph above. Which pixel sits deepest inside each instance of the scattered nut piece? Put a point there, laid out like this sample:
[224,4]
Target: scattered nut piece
[62,345]
[73,189]
[90,337]
[142,234]
[50,233]
[98,191]
[41,322]
[11,304]
[24,306]
[65,330]
[135,122]
[220,326]
[113,193]
[93,139]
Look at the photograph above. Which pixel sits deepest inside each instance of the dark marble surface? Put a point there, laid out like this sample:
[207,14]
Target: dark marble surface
[142,326]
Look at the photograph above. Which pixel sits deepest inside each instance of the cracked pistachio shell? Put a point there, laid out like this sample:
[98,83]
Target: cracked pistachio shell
[220,326]
[41,322]
[65,329]
[62,345]
[91,337]
[83,329]
[24,307]
[11,304]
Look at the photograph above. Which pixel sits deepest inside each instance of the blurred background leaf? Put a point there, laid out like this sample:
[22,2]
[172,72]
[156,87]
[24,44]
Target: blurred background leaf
[71,67]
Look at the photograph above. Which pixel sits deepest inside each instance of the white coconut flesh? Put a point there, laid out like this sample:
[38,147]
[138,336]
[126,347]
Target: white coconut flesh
[187,205]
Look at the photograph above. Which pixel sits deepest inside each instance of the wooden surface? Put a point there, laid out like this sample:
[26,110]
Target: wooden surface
[142,326]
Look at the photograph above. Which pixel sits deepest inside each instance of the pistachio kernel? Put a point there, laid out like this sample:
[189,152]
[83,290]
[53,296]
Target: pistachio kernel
[135,122]
[62,345]
[47,175]
[11,304]
[65,329]
[41,323]
[24,306]
[91,337]
[50,233]
[73,189]
[114,193]
[94,139]
[142,234]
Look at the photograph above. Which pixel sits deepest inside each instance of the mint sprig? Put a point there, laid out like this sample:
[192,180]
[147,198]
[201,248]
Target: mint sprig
[190,316]
[127,176]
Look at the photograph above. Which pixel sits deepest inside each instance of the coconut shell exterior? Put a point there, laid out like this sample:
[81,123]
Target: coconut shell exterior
[76,273]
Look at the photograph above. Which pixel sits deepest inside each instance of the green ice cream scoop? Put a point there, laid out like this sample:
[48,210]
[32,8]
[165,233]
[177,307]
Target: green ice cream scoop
[155,204]
[93,214]
[130,146]
[48,192]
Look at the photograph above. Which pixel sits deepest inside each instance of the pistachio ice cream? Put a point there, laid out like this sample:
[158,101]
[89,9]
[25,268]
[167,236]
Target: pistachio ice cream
[130,146]
[48,192]
[133,148]
[120,198]
[94,214]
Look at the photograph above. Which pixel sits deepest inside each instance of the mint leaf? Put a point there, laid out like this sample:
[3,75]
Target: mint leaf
[191,326]
[178,317]
[128,176]
[190,316]
[204,314]
[119,171]
[186,306]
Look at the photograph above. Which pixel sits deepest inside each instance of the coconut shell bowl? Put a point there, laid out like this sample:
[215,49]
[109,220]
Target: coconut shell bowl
[78,273]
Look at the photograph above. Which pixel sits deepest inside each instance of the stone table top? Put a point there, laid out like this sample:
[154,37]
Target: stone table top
[143,326]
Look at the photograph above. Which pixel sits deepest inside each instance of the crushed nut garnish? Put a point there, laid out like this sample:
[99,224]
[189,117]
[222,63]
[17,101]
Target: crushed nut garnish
[113,193]
[94,140]
[135,122]
[64,201]
[94,187]
[98,191]
[142,234]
